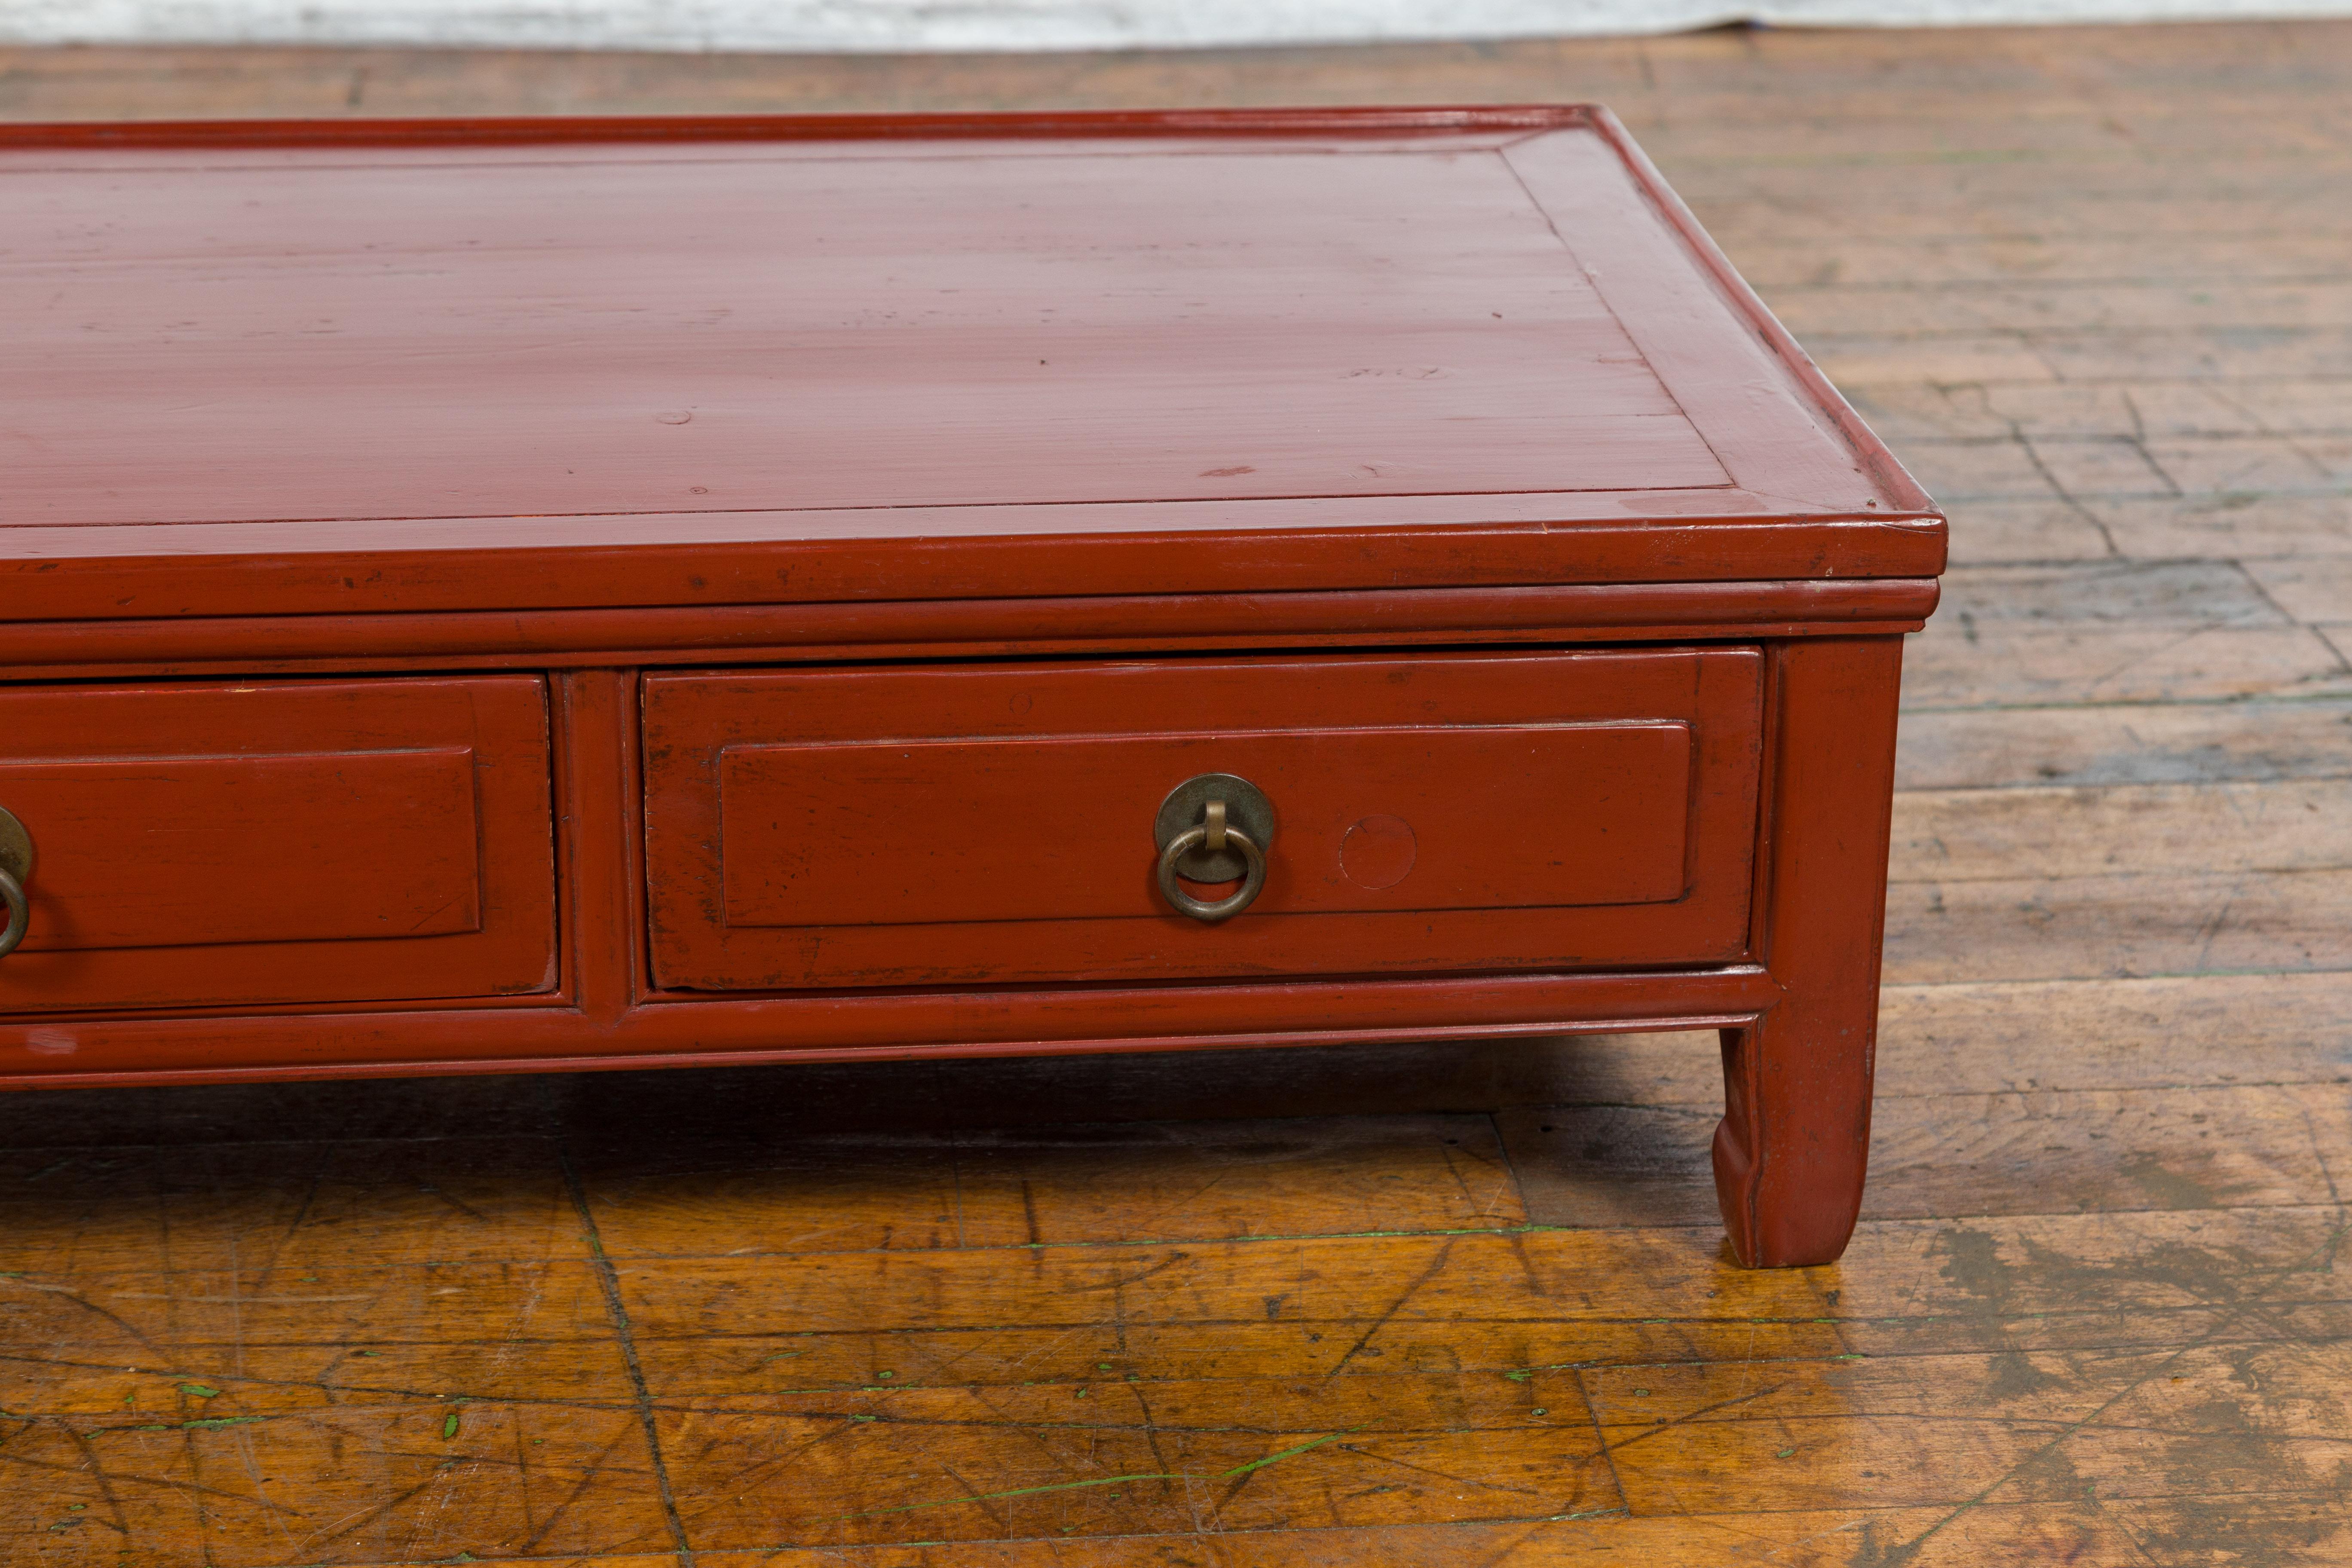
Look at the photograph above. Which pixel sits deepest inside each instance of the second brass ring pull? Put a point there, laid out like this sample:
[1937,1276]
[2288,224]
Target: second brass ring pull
[1192,838]
[16,870]
[20,913]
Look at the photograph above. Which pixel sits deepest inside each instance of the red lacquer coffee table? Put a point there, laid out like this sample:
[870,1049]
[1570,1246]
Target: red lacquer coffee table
[511,595]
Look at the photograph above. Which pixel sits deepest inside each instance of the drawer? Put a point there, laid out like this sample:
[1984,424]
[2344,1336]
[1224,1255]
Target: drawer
[304,841]
[971,825]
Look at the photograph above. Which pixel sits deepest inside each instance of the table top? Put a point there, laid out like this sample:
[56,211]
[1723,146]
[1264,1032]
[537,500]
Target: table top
[794,342]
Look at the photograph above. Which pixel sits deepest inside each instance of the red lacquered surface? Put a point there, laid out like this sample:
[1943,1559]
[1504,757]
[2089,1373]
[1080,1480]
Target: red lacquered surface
[280,842]
[942,826]
[1794,1143]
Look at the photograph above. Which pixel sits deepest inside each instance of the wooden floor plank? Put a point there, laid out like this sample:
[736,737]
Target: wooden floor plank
[1127,1460]
[272,1214]
[1405,1304]
[1960,663]
[2315,589]
[2079,1534]
[2113,1151]
[2037,531]
[2058,832]
[1378,1305]
[2135,744]
[383,1111]
[284,1490]
[1998,1035]
[2062,354]
[2089,927]
[2242,525]
[2134,411]
[2267,251]
[1063,1182]
[2137,594]
[2006,90]
[2116,306]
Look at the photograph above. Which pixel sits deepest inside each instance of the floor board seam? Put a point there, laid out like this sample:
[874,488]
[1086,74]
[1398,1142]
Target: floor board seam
[617,1311]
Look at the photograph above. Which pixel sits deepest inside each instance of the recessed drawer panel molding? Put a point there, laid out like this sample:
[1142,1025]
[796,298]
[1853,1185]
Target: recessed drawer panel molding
[192,851]
[855,828]
[310,840]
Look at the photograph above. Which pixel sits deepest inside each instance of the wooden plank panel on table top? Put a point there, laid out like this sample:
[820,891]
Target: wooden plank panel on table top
[1023,394]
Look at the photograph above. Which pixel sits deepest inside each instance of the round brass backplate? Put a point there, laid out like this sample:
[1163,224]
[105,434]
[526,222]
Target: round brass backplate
[15,846]
[1187,805]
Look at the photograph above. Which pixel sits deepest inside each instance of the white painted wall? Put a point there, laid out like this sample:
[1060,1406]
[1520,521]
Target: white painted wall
[887,26]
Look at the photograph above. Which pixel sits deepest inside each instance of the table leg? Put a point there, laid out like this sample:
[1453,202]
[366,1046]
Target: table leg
[1794,1142]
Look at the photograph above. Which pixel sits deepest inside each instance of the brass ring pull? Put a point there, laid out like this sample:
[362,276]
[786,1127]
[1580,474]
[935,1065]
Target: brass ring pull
[16,870]
[20,913]
[1213,828]
[1192,838]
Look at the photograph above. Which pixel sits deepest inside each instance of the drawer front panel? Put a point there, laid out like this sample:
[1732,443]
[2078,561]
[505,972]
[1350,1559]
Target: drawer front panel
[1605,808]
[960,825]
[299,842]
[211,842]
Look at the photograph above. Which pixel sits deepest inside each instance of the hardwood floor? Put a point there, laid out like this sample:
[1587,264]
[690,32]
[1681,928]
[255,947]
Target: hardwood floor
[1438,1304]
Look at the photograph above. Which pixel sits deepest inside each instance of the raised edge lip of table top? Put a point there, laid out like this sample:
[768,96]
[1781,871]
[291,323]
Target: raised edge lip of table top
[990,124]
